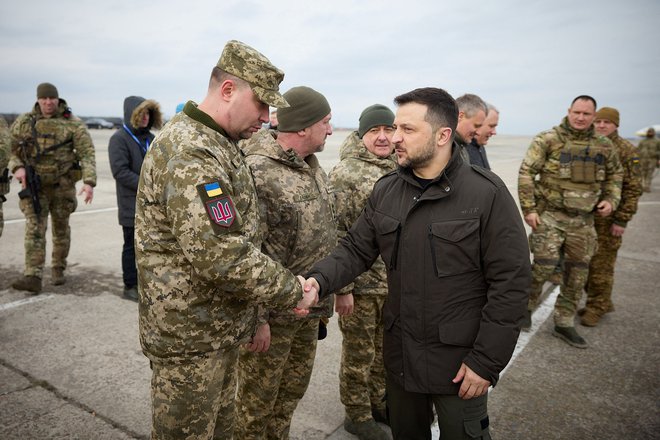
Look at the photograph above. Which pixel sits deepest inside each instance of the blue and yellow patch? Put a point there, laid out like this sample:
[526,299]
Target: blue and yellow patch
[219,206]
[213,189]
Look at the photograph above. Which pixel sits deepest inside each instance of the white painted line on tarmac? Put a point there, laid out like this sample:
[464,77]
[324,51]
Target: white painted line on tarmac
[649,203]
[87,212]
[22,302]
[540,315]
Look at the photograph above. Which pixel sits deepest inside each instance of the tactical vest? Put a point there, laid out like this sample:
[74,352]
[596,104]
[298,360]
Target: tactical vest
[581,173]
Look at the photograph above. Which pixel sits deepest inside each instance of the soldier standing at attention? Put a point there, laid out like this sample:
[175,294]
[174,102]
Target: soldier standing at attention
[126,150]
[610,229]
[5,150]
[58,147]
[294,192]
[649,157]
[201,274]
[365,156]
[580,173]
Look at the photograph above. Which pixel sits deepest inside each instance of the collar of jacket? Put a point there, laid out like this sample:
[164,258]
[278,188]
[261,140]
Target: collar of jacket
[459,140]
[578,135]
[441,185]
[264,143]
[195,113]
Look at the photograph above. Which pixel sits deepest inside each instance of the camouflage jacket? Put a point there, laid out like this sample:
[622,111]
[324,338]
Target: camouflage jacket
[297,207]
[557,189]
[5,151]
[353,178]
[649,150]
[631,188]
[201,273]
[57,163]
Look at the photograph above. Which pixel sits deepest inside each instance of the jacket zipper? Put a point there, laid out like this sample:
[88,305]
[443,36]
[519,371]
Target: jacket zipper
[395,251]
[433,256]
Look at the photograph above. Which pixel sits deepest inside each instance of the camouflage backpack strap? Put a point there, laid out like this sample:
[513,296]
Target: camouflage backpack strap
[35,136]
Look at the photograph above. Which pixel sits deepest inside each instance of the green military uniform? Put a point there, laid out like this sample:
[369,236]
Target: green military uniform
[5,150]
[577,170]
[297,204]
[58,169]
[649,155]
[601,268]
[201,273]
[361,374]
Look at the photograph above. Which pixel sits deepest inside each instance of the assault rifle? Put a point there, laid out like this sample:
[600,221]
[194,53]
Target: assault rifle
[32,180]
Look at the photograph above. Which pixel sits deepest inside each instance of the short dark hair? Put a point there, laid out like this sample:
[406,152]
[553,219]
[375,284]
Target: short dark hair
[218,76]
[585,98]
[441,109]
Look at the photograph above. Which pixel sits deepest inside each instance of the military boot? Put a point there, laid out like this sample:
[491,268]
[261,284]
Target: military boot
[57,276]
[570,336]
[28,283]
[368,430]
[590,318]
[131,293]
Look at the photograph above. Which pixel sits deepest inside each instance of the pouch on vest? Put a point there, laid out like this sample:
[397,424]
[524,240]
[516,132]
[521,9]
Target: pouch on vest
[75,173]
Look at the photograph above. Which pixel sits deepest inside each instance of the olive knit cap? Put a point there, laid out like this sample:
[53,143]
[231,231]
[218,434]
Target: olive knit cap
[306,107]
[609,113]
[47,90]
[374,116]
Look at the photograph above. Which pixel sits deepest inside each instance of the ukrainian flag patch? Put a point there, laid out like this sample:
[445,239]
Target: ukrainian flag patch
[213,189]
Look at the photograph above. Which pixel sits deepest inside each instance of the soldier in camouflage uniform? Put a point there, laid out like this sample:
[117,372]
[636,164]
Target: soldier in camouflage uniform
[649,157]
[201,274]
[59,148]
[366,155]
[299,226]
[5,149]
[580,173]
[610,229]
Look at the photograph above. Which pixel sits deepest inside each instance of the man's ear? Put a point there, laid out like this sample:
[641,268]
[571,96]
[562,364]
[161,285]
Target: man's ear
[443,136]
[227,89]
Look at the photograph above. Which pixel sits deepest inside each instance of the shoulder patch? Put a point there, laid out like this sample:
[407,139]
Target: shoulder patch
[219,206]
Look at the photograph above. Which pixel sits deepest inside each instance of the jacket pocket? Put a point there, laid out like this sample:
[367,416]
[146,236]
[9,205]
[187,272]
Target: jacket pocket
[455,246]
[388,230]
[461,333]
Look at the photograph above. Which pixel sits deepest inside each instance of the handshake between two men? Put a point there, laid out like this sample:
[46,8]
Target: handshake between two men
[310,296]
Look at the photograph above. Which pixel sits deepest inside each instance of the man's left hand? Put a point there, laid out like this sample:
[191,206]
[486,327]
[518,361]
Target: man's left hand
[473,385]
[604,208]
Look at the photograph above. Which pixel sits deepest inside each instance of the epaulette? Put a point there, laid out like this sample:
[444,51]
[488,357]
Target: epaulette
[494,178]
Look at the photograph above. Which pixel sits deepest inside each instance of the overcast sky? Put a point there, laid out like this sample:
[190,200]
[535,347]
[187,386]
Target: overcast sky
[529,58]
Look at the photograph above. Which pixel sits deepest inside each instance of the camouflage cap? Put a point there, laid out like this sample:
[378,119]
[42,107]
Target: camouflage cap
[250,65]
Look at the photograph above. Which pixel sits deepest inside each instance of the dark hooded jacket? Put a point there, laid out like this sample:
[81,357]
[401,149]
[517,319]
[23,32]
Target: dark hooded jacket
[458,272]
[127,148]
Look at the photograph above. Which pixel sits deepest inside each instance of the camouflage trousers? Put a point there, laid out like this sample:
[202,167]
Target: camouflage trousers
[194,400]
[59,201]
[271,384]
[575,236]
[361,373]
[601,269]
[647,168]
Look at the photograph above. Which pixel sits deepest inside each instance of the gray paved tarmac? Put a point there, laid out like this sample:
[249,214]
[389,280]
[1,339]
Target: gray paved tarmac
[71,365]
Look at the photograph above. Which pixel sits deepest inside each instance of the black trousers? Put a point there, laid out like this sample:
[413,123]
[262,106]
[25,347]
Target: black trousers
[128,257]
[411,415]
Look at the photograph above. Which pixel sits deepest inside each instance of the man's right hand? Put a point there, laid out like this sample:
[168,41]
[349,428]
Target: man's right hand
[19,174]
[533,220]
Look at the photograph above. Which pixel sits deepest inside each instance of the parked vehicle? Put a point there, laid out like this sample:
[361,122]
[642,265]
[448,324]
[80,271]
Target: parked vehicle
[98,123]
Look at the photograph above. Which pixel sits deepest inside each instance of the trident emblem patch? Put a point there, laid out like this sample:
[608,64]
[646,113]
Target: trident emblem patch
[221,211]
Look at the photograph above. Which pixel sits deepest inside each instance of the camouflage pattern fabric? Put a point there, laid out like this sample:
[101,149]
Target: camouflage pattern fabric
[601,268]
[5,150]
[565,204]
[297,205]
[555,188]
[576,238]
[361,373]
[185,396]
[649,155]
[272,383]
[201,274]
[58,193]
